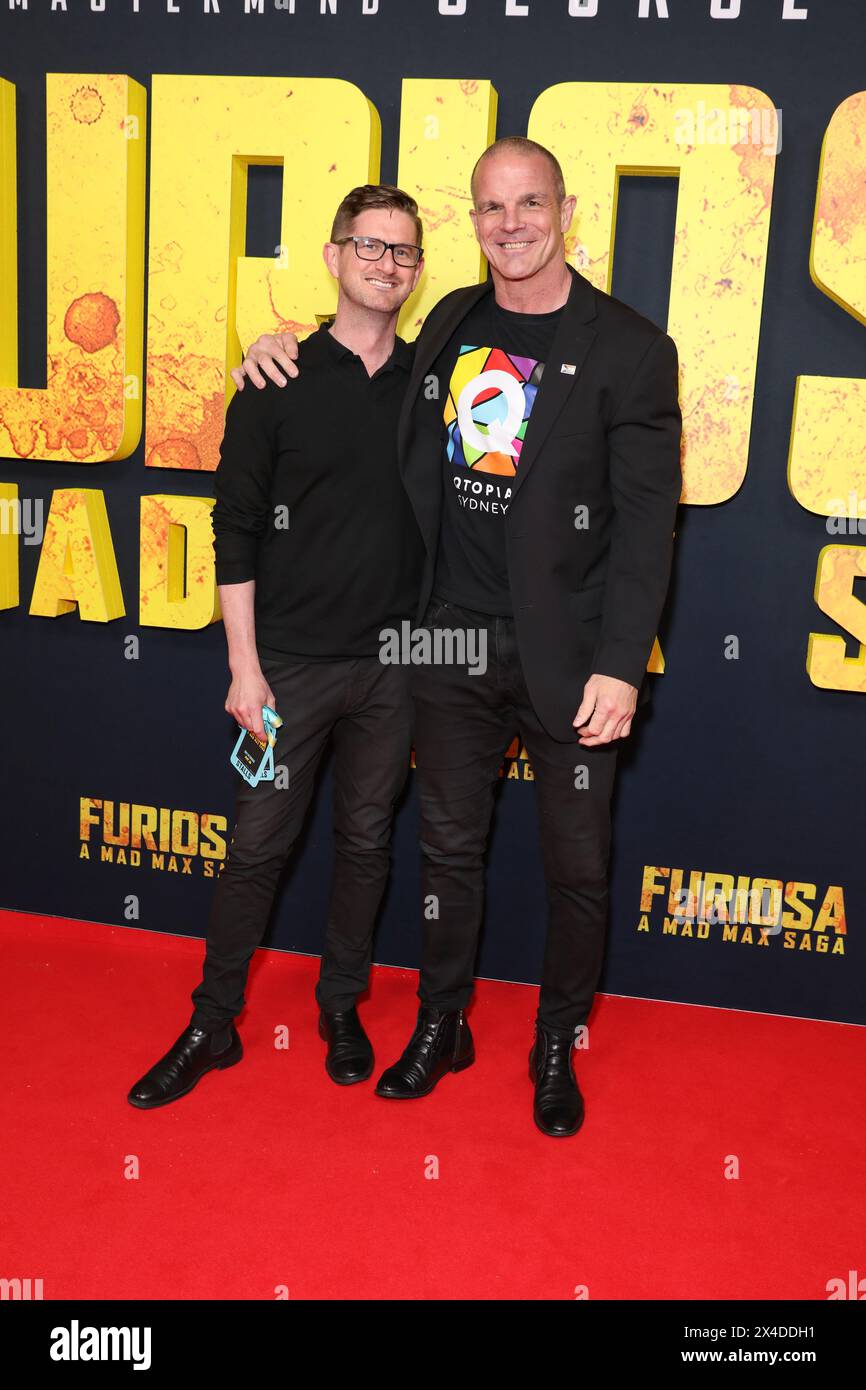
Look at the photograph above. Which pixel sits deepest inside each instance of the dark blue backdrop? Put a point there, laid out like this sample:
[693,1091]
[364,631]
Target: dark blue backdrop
[742,766]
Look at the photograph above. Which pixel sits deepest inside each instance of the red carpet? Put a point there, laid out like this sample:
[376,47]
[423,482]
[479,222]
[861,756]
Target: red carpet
[269,1175]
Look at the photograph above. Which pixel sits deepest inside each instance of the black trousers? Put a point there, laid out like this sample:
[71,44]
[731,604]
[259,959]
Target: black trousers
[464,724]
[364,708]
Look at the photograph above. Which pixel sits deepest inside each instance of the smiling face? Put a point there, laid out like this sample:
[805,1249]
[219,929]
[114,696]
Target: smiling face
[518,218]
[379,285]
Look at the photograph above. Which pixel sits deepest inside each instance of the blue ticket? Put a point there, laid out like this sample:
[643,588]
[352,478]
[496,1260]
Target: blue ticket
[252,757]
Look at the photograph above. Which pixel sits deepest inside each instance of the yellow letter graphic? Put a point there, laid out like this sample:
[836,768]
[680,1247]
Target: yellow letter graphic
[178,587]
[827,456]
[9,527]
[207,299]
[77,564]
[444,127]
[827,460]
[826,662]
[721,141]
[90,410]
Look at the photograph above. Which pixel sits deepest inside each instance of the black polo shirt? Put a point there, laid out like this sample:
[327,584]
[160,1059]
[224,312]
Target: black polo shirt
[310,504]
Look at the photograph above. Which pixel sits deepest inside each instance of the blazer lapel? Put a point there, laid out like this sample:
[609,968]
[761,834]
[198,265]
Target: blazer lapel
[419,455]
[572,341]
[429,348]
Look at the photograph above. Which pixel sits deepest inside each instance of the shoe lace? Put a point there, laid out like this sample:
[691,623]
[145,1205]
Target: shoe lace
[554,1064]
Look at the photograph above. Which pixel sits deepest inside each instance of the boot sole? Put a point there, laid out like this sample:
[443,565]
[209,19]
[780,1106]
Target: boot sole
[558,1133]
[167,1100]
[417,1095]
[353,1080]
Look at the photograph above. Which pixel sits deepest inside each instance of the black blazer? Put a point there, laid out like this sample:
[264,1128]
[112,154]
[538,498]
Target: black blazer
[605,436]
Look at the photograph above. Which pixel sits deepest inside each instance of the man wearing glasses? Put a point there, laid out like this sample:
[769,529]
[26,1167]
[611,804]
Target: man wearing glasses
[317,550]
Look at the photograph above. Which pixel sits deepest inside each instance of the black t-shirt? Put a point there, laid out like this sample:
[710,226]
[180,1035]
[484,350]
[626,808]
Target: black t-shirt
[488,379]
[310,504]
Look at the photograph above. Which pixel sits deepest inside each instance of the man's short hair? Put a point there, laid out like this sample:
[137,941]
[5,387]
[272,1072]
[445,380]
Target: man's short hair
[374,195]
[519,144]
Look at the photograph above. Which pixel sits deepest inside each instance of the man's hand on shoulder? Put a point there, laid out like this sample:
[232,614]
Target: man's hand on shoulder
[606,709]
[268,353]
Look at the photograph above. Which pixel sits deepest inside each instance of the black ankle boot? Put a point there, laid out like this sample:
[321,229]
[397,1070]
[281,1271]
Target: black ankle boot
[194,1053]
[350,1053]
[558,1108]
[441,1042]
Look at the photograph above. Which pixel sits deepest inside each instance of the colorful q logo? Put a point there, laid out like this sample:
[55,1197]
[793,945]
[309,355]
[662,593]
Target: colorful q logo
[500,434]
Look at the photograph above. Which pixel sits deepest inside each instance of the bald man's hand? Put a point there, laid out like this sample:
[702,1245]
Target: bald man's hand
[268,353]
[606,710]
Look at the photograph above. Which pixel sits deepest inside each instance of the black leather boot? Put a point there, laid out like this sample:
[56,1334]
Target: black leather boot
[194,1053]
[441,1042]
[558,1109]
[350,1052]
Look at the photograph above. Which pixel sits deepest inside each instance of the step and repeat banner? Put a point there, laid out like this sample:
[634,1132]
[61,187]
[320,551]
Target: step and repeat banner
[168,174]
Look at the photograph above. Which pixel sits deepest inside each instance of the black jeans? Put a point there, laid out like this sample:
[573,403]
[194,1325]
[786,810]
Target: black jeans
[365,709]
[464,724]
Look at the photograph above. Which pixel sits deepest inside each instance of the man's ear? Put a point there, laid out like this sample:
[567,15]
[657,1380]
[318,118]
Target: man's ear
[567,212]
[329,256]
[474,216]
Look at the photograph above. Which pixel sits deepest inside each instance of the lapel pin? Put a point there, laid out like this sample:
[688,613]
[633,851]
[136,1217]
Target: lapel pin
[568,369]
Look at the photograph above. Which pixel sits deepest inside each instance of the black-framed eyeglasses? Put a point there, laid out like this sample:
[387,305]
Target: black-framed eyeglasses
[371,248]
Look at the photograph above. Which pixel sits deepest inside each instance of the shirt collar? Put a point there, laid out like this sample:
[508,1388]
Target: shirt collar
[326,342]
